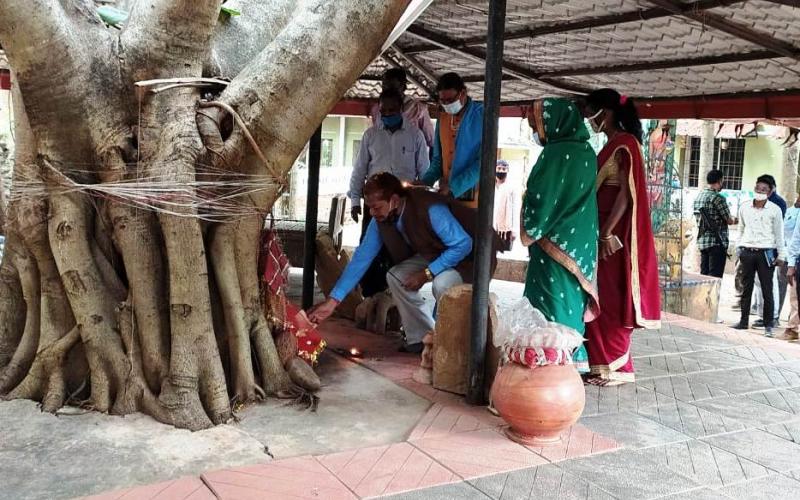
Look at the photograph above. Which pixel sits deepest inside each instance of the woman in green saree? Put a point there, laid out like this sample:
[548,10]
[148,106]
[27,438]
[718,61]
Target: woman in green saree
[559,219]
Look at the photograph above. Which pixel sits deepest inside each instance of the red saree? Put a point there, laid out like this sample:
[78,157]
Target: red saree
[627,281]
[274,271]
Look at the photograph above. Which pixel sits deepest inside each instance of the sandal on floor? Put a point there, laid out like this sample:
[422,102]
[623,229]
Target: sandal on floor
[603,382]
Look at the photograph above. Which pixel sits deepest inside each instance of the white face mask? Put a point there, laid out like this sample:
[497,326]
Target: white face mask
[537,140]
[453,108]
[760,197]
[597,128]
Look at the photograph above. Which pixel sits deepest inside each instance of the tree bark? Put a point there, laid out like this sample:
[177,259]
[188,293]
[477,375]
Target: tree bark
[128,195]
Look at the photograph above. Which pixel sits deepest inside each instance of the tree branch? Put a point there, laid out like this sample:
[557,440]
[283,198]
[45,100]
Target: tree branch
[333,43]
[168,38]
[237,40]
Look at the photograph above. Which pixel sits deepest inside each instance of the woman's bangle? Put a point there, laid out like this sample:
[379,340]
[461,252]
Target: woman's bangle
[607,238]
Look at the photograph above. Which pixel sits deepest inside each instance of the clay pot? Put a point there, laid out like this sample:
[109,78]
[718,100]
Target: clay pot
[538,403]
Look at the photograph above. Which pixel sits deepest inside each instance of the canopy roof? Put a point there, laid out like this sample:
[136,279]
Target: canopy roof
[645,49]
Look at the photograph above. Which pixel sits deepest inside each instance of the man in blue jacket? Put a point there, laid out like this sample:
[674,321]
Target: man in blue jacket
[455,163]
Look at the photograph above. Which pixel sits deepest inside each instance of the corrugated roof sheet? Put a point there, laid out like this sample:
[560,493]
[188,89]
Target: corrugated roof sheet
[565,53]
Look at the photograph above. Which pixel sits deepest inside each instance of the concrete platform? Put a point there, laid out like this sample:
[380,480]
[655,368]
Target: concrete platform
[81,453]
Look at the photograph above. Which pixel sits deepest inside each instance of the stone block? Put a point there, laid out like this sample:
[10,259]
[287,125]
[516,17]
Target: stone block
[451,344]
[330,265]
[694,296]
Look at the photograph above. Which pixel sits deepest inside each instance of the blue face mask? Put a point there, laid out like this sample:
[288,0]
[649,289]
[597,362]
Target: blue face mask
[392,121]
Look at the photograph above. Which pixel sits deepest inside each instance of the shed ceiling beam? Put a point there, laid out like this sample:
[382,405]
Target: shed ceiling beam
[667,64]
[534,31]
[418,67]
[479,55]
[425,83]
[733,28]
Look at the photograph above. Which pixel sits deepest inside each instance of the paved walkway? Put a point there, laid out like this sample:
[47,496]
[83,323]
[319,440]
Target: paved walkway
[714,414]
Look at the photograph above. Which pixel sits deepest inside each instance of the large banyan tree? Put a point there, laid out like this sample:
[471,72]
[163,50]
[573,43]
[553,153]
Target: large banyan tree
[146,160]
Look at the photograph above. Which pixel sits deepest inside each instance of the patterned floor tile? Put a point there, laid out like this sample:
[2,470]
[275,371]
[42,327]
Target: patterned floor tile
[704,464]
[782,399]
[770,487]
[577,441]
[384,470]
[446,419]
[627,475]
[761,447]
[745,410]
[790,365]
[682,388]
[679,364]
[690,419]
[632,430]
[752,379]
[461,491]
[478,453]
[187,488]
[626,397]
[699,494]
[760,354]
[789,431]
[301,477]
[545,481]
[657,344]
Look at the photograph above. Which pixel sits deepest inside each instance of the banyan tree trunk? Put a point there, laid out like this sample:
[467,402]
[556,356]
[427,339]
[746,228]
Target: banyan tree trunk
[146,160]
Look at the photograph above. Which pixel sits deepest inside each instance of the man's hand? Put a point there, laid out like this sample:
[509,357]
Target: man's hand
[322,311]
[790,275]
[415,281]
[444,190]
[355,212]
[779,262]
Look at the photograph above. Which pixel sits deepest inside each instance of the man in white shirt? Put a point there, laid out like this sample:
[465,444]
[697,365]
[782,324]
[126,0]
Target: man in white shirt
[393,145]
[761,249]
[506,207]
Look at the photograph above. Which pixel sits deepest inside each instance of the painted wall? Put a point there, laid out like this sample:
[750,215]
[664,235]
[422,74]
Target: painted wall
[354,130]
[761,156]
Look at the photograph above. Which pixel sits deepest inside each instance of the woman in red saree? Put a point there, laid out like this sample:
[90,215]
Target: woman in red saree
[627,273]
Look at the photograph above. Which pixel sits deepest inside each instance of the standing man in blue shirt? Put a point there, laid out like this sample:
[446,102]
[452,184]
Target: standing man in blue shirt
[456,160]
[428,239]
[790,229]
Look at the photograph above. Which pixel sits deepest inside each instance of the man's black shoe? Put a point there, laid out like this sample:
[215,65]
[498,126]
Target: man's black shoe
[759,323]
[740,326]
[415,348]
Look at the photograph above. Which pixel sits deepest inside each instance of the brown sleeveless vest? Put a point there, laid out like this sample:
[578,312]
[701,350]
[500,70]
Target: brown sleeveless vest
[422,239]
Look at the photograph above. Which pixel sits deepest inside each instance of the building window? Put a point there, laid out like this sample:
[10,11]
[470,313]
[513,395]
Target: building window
[694,162]
[326,155]
[729,157]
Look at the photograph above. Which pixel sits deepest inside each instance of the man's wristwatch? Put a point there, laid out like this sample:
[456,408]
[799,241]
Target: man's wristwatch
[428,274]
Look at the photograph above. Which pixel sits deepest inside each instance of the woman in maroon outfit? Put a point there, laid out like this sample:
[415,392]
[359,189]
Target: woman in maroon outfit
[627,274]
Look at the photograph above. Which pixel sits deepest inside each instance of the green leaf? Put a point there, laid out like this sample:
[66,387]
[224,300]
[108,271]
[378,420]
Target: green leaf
[112,16]
[230,11]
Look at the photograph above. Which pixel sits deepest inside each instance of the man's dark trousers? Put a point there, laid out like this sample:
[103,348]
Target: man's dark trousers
[755,261]
[712,261]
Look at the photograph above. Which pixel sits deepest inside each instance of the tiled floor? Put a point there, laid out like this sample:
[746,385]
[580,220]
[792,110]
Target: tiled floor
[714,414]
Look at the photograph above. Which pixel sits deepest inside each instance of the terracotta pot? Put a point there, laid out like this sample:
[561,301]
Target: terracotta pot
[538,403]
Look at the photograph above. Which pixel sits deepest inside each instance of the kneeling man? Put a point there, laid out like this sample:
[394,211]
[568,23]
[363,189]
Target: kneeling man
[428,238]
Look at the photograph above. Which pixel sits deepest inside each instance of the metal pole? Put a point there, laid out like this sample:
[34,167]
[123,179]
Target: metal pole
[312,202]
[483,245]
